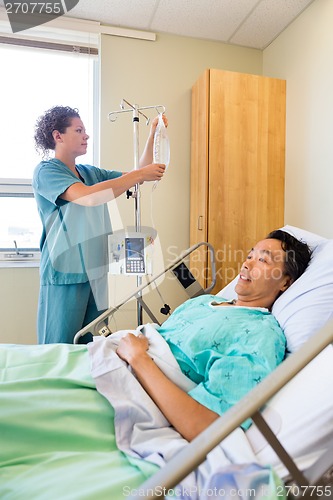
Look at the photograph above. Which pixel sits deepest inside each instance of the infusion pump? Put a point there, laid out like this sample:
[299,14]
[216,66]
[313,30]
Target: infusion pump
[131,252]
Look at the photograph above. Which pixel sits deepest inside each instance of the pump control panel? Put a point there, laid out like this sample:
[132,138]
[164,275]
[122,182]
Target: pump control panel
[131,252]
[135,255]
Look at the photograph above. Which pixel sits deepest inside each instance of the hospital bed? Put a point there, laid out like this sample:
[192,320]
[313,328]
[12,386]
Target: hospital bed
[57,436]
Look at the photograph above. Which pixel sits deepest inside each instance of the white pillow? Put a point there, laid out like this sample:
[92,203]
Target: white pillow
[308,304]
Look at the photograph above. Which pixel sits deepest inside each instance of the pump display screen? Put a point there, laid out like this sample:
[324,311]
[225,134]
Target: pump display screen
[184,275]
[134,255]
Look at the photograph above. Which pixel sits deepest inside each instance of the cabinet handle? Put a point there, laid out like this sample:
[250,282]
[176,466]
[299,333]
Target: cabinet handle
[200,225]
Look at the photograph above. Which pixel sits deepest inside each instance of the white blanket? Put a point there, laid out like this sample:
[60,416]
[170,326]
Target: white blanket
[142,430]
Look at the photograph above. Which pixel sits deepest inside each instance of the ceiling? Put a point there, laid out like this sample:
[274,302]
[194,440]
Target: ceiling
[248,23]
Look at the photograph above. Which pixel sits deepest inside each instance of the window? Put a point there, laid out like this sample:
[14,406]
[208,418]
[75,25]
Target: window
[33,79]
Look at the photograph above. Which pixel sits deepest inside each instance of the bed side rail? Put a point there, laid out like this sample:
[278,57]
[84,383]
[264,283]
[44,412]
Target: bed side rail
[99,325]
[195,452]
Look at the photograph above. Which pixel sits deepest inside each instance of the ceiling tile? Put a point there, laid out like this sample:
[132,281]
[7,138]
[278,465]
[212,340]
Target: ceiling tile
[127,13]
[210,19]
[267,21]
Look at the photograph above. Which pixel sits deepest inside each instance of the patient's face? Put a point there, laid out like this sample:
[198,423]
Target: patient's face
[262,276]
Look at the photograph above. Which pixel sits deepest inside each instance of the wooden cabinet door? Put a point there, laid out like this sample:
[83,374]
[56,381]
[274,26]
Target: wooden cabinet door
[246,165]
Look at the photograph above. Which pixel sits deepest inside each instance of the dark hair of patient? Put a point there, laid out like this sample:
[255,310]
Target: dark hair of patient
[298,253]
[56,118]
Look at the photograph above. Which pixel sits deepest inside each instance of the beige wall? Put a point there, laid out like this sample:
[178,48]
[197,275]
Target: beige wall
[18,298]
[146,73]
[163,72]
[303,56]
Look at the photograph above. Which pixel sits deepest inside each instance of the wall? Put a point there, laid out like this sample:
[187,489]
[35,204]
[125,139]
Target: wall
[302,55]
[145,73]
[19,296]
[162,72]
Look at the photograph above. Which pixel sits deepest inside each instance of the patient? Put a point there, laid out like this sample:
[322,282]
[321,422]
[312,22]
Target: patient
[225,347]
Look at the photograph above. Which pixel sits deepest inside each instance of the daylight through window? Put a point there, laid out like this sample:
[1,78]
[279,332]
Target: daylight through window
[33,80]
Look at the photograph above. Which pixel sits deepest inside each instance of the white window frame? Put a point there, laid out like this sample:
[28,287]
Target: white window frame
[22,188]
[18,257]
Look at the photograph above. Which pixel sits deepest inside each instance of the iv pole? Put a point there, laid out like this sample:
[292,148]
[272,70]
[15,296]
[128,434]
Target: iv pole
[136,111]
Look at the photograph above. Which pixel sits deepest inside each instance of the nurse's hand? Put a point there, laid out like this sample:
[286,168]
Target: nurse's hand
[155,122]
[152,172]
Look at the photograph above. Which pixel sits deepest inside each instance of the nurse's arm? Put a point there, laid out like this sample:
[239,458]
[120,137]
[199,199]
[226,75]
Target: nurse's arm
[184,413]
[105,191]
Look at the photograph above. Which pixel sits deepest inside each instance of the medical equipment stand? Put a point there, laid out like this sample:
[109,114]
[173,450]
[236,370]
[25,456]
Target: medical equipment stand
[136,111]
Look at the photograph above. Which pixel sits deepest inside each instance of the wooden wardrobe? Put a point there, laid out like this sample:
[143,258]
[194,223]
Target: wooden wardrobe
[237,167]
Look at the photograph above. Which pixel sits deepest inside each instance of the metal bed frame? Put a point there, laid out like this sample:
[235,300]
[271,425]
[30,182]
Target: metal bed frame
[100,327]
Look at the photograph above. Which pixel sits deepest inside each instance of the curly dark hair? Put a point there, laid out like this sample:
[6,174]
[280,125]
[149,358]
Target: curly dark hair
[56,118]
[298,253]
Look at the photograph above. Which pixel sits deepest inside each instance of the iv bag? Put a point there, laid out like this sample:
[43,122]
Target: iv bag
[161,149]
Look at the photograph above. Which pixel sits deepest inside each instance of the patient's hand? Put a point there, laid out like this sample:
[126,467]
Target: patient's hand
[132,347]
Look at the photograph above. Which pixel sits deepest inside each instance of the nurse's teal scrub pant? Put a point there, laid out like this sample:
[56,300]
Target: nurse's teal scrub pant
[64,309]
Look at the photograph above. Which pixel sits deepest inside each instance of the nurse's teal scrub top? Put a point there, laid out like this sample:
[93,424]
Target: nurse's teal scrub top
[74,237]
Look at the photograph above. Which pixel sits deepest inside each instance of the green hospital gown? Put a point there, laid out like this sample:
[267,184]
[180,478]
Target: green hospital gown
[226,350]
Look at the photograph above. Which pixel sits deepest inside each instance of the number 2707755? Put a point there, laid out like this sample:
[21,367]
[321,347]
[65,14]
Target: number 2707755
[34,8]
[299,491]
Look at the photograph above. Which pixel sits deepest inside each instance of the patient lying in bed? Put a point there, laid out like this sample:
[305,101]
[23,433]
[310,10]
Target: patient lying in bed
[226,348]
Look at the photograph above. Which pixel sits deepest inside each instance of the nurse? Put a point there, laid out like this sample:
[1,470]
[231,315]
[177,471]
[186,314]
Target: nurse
[71,200]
